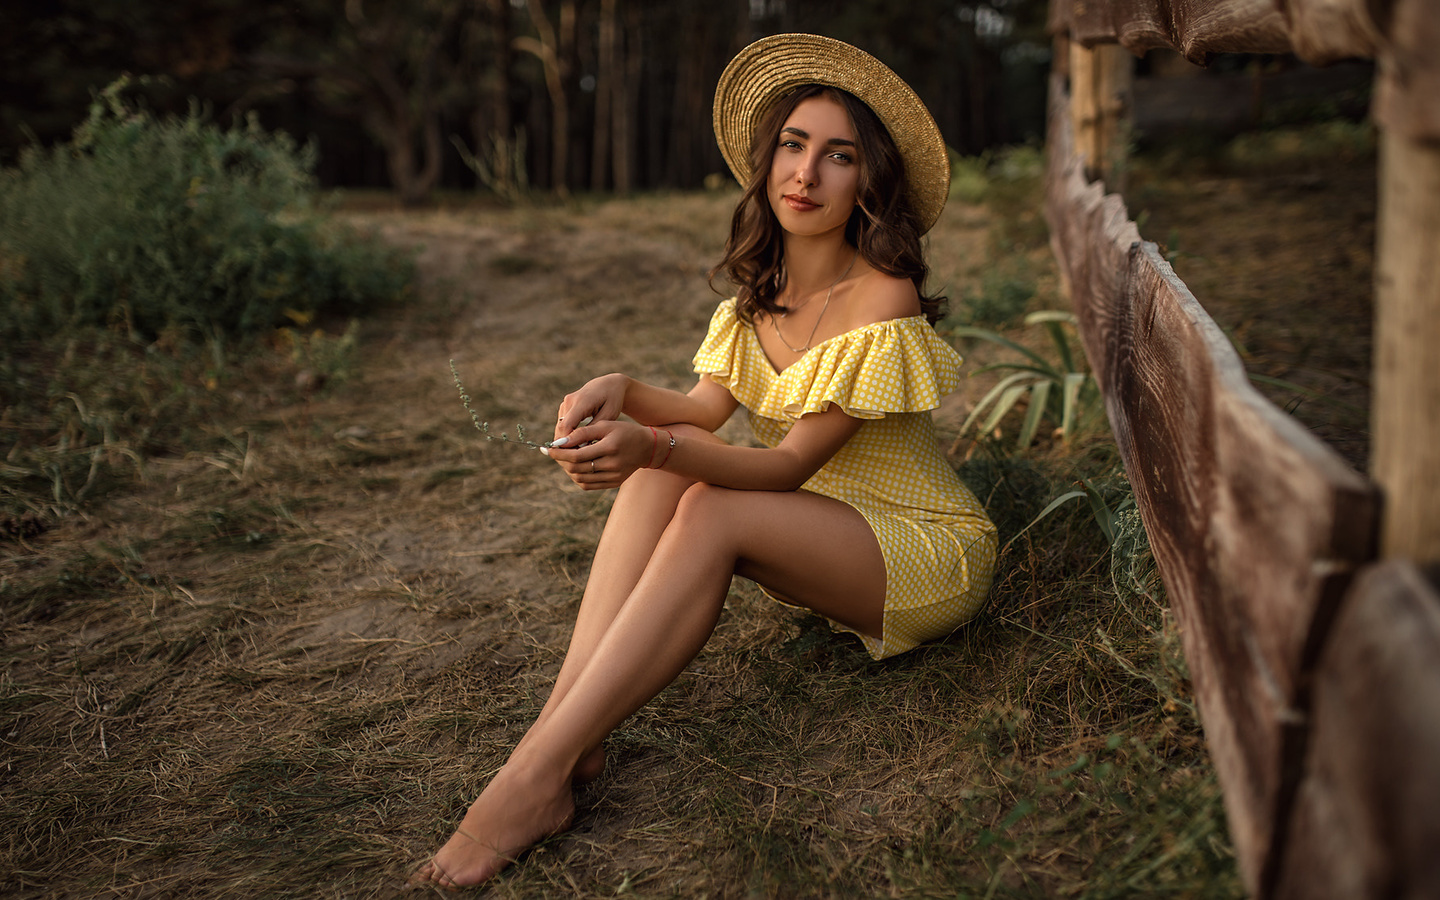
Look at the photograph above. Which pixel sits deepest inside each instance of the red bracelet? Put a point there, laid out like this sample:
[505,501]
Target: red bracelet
[654,441]
[667,452]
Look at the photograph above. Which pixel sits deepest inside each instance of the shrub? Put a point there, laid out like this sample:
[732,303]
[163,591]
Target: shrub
[1010,182]
[174,224]
[1004,293]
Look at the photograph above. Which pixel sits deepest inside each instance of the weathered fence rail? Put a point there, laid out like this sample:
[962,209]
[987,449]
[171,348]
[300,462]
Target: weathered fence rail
[1316,671]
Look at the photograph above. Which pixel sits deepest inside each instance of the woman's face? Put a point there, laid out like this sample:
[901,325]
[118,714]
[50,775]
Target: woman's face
[815,169]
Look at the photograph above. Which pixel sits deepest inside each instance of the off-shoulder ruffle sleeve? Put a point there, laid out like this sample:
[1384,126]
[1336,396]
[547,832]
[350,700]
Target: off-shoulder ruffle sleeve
[726,354]
[897,366]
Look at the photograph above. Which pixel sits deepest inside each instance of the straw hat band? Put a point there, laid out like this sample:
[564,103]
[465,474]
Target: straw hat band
[767,70]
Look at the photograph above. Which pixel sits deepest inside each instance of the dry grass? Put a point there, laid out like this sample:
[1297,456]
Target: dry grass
[1275,234]
[284,663]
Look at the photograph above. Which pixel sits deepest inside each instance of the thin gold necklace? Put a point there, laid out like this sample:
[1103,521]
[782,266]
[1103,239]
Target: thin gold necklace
[775,319]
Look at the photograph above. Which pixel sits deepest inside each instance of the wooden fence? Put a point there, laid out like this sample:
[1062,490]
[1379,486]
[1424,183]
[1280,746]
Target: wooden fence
[1316,663]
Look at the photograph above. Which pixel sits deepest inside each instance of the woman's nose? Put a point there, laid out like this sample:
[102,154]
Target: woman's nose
[805,171]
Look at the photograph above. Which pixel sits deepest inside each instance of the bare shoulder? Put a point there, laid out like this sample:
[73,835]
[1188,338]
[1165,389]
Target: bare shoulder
[877,297]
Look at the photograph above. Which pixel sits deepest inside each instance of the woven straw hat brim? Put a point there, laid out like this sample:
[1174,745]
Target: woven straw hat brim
[771,67]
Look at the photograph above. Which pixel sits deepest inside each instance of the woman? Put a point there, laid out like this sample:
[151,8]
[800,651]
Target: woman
[849,510]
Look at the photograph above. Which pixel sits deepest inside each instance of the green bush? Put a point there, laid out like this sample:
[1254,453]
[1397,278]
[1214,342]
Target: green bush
[1010,182]
[1004,294]
[1288,149]
[969,177]
[156,225]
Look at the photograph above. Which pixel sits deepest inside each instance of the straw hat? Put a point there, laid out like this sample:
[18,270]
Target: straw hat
[771,67]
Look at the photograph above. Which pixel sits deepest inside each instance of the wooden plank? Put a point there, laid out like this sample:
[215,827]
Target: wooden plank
[1196,28]
[1405,424]
[1326,31]
[1400,34]
[1366,824]
[1255,525]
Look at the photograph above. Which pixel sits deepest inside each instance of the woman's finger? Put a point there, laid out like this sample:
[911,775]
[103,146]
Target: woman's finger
[591,474]
[563,430]
[589,459]
[586,433]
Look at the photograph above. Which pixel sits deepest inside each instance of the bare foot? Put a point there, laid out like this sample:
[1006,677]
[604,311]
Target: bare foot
[513,813]
[590,767]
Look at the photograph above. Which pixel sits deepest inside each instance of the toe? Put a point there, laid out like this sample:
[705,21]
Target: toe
[423,875]
[431,874]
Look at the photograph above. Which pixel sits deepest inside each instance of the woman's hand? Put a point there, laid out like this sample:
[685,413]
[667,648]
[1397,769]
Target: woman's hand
[600,400]
[601,455]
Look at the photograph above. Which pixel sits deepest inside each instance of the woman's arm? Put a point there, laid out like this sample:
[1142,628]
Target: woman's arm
[707,405]
[808,445]
[611,451]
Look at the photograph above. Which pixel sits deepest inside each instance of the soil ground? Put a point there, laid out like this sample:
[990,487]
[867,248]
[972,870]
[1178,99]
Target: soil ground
[286,663]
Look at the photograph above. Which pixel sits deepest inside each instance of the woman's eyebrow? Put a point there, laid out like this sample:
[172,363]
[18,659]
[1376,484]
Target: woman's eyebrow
[799,132]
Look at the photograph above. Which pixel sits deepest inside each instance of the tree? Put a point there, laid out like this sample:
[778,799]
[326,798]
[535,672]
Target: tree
[390,65]
[553,48]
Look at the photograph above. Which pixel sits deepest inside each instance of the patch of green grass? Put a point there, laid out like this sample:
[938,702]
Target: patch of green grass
[438,477]
[1286,147]
[1001,299]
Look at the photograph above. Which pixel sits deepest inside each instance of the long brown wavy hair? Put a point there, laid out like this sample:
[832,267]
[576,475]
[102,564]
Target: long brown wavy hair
[883,226]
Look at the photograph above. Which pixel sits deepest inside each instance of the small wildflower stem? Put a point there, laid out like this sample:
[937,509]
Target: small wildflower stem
[484,427]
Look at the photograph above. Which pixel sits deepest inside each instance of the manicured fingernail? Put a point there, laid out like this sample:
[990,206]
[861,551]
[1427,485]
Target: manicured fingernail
[545,450]
[559,442]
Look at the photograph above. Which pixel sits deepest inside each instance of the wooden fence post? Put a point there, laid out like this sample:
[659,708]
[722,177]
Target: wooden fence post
[1364,825]
[1406,399]
[1101,80]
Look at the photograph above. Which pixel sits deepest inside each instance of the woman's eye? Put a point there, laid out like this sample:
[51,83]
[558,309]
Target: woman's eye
[841,156]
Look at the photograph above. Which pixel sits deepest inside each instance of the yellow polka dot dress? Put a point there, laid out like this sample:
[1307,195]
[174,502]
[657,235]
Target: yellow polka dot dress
[939,544]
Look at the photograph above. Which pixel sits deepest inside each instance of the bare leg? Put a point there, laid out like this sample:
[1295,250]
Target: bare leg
[816,551]
[642,511]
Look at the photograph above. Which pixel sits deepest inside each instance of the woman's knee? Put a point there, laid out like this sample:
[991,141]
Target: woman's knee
[705,508]
[645,480]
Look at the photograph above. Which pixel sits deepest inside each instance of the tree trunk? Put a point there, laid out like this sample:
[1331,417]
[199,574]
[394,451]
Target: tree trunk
[682,138]
[403,111]
[547,50]
[607,90]
[627,100]
[413,180]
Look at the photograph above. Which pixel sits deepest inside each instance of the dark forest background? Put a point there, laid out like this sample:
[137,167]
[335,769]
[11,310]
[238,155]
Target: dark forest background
[503,95]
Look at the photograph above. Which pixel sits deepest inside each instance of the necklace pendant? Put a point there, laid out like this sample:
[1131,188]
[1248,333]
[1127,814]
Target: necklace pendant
[775,320]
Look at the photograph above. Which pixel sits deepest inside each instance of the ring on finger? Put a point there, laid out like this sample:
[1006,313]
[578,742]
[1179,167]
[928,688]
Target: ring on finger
[592,467]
